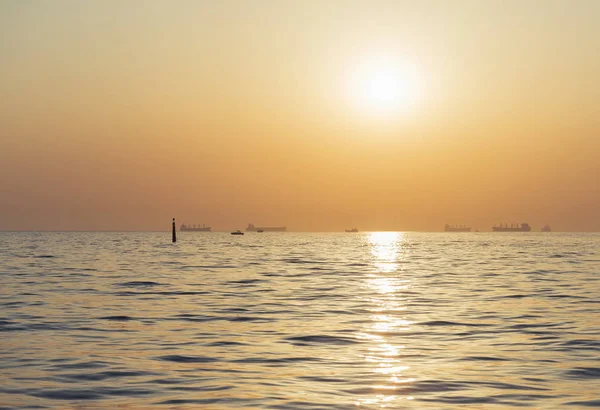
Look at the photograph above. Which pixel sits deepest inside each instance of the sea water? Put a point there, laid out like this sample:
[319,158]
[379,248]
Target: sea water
[299,320]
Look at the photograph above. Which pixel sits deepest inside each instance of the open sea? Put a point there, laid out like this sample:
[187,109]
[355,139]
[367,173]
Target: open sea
[299,320]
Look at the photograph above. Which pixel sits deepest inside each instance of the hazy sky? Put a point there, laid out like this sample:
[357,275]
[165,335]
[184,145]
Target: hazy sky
[318,115]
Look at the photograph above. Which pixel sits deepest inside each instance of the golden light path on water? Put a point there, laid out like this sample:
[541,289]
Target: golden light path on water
[386,287]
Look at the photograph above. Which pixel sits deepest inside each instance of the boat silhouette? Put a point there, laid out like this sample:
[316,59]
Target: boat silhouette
[524,227]
[194,228]
[457,228]
[253,228]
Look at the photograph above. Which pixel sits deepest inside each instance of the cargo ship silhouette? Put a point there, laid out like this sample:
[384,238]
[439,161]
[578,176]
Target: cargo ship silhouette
[194,228]
[456,228]
[252,228]
[524,227]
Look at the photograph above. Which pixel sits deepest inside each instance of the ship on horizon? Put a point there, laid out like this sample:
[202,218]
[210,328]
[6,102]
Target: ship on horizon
[194,228]
[546,228]
[252,228]
[457,228]
[353,230]
[524,227]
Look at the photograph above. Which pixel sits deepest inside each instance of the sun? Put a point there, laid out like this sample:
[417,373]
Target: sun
[382,88]
[385,85]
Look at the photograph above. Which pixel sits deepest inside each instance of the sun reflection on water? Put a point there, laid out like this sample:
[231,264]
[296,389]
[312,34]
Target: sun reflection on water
[385,248]
[386,288]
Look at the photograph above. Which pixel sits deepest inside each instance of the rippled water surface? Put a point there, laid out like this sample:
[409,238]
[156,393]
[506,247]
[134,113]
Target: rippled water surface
[299,321]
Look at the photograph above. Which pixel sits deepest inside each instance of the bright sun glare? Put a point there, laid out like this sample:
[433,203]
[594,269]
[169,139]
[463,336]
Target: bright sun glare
[385,85]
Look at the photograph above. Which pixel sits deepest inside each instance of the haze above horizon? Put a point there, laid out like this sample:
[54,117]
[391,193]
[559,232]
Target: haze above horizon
[381,115]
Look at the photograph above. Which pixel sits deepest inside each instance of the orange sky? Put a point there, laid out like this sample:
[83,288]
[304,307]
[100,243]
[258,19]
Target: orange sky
[120,115]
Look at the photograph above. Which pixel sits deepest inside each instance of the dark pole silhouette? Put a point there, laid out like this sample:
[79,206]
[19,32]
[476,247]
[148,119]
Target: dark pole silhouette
[174,233]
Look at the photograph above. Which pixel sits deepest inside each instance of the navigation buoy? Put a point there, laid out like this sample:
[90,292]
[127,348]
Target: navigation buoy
[174,232]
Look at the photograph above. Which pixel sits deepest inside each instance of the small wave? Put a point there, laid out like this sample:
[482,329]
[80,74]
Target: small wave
[316,268]
[462,400]
[526,317]
[521,326]
[187,359]
[583,344]
[104,375]
[200,388]
[234,309]
[214,266]
[32,326]
[226,343]
[82,365]
[281,360]
[508,386]
[118,318]
[249,319]
[139,283]
[338,312]
[300,261]
[126,392]
[68,394]
[173,293]
[485,358]
[189,401]
[558,256]
[516,296]
[563,296]
[323,379]
[448,323]
[321,339]
[11,304]
[590,403]
[246,281]
[6,322]
[584,373]
[195,318]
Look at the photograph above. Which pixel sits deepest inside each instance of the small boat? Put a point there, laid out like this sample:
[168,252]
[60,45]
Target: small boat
[260,230]
[457,228]
[524,227]
[238,232]
[352,230]
[195,228]
[253,228]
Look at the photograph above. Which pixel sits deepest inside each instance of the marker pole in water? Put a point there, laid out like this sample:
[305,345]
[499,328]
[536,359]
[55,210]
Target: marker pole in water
[174,233]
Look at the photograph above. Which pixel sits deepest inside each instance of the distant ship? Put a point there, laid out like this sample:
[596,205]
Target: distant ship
[546,228]
[456,228]
[352,230]
[252,228]
[238,232]
[524,227]
[195,228]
